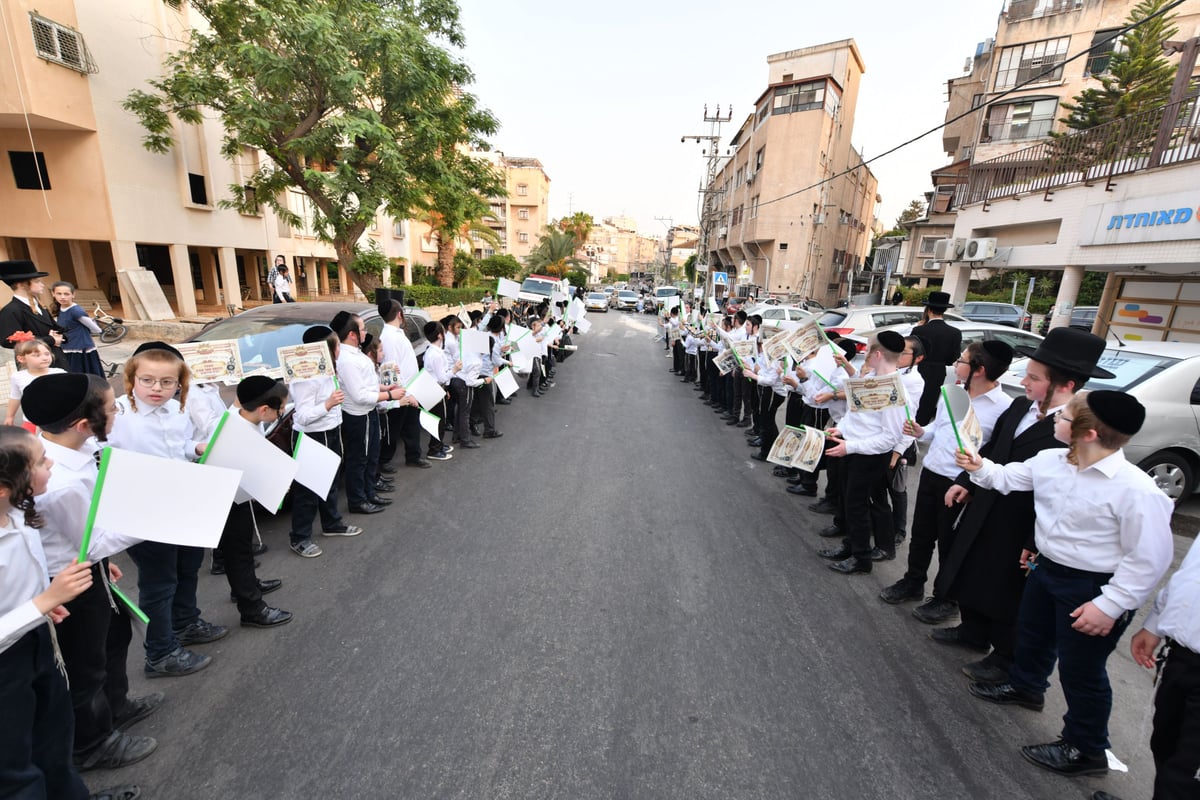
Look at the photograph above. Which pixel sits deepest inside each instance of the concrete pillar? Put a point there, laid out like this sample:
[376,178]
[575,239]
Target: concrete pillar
[1107,299]
[312,277]
[1068,290]
[231,286]
[125,260]
[41,252]
[85,265]
[208,272]
[322,270]
[185,290]
[345,286]
[956,282]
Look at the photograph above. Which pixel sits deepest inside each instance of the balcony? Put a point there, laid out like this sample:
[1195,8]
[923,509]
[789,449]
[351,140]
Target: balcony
[1159,137]
[1030,9]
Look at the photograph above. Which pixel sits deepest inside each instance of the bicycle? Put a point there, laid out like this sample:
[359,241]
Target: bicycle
[112,329]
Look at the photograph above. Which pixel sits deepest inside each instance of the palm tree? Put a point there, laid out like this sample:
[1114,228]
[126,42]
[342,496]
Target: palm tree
[554,253]
[579,225]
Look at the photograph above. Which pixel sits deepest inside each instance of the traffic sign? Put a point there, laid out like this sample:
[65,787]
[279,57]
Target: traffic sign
[720,278]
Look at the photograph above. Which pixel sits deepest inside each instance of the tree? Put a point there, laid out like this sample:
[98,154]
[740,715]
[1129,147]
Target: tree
[1138,78]
[455,219]
[914,212]
[501,265]
[689,268]
[579,225]
[353,102]
[554,253]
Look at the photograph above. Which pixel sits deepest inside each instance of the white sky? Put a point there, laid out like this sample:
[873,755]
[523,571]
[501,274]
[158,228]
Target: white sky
[601,93]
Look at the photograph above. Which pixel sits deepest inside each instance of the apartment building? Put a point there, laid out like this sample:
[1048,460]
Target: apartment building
[797,204]
[518,218]
[615,244]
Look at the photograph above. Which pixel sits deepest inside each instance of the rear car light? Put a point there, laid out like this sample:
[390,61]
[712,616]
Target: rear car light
[840,331]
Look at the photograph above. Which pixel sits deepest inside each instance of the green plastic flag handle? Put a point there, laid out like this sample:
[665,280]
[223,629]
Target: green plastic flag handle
[132,606]
[953,424]
[105,455]
[213,440]
[826,381]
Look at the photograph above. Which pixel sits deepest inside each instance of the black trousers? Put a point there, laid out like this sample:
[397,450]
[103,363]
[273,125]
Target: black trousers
[38,728]
[354,457]
[865,504]
[409,429]
[94,641]
[485,406]
[932,526]
[768,405]
[677,357]
[981,629]
[237,548]
[460,409]
[390,437]
[305,503]
[1175,742]
[435,442]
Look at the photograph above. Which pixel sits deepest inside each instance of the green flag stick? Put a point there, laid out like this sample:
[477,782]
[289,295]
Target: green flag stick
[133,609]
[213,440]
[826,381]
[829,342]
[824,433]
[953,424]
[105,455]
[296,449]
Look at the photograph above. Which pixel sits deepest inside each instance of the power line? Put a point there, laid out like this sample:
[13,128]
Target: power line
[1054,68]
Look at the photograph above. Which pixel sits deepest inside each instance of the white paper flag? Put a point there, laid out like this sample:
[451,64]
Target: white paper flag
[427,390]
[164,499]
[522,360]
[506,383]
[583,326]
[430,423]
[316,465]
[509,288]
[476,341]
[577,309]
[267,471]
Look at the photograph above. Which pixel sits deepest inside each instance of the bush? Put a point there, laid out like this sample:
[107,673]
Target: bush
[424,295]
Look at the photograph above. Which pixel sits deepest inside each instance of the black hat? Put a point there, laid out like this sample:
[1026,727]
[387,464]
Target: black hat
[848,348]
[158,346]
[341,323]
[1119,411]
[1069,350]
[1001,351]
[317,333]
[938,301]
[255,388]
[890,341]
[55,398]
[20,270]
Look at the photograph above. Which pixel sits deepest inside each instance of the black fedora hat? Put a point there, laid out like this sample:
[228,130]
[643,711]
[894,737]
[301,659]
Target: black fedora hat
[20,270]
[1069,350]
[939,301]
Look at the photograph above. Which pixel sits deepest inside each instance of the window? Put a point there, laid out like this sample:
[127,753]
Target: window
[523,213]
[522,237]
[737,178]
[29,169]
[1027,119]
[60,44]
[398,229]
[1104,44]
[754,207]
[976,100]
[758,158]
[1025,62]
[197,189]
[799,97]
[522,189]
[927,245]
[763,113]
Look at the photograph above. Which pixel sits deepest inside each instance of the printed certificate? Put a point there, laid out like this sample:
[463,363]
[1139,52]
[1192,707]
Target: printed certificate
[746,349]
[798,447]
[776,347]
[301,362]
[213,361]
[724,362]
[804,341]
[874,393]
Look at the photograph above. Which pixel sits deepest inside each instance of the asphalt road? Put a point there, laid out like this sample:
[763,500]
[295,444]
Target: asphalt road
[612,601]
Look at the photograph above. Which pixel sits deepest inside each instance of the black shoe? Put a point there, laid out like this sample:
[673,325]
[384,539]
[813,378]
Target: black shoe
[267,618]
[136,709]
[474,429]
[264,587]
[758,457]
[899,539]
[384,486]
[500,401]
[755,442]
[954,638]
[259,548]
[180,662]
[779,472]
[903,590]
[376,500]
[985,670]
[744,423]
[836,553]
[1104,796]
[830,532]
[468,445]
[422,464]
[118,750]
[823,506]
[801,490]
[535,393]
[1065,759]
[387,469]
[852,566]
[936,611]
[1006,694]
[882,555]
[126,791]
[369,508]
[201,632]
[796,480]
[734,421]
[493,435]
[218,567]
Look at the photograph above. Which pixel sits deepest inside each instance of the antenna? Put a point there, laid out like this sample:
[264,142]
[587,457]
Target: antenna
[1108,325]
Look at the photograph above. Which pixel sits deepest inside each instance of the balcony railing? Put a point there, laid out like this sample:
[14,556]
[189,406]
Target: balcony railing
[1131,144]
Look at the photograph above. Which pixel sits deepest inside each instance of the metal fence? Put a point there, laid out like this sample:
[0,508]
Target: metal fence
[1159,137]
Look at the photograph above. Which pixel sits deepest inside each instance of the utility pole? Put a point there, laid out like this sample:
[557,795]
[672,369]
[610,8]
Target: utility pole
[710,195]
[670,223]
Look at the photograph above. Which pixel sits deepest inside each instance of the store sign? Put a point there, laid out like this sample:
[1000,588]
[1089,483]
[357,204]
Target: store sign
[1169,218]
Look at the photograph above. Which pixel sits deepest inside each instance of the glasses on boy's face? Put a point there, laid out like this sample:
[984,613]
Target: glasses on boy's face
[147,382]
[1058,415]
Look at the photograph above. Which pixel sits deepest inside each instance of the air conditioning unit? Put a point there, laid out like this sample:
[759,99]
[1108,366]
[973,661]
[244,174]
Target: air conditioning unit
[818,219]
[750,176]
[947,249]
[722,231]
[930,264]
[980,249]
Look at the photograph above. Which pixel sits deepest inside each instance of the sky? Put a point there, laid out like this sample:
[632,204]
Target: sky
[601,93]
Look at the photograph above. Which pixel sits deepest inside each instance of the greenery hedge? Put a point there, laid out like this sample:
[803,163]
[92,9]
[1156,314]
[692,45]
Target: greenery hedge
[424,295]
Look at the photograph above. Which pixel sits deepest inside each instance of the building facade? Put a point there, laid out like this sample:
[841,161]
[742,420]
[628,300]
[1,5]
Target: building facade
[518,218]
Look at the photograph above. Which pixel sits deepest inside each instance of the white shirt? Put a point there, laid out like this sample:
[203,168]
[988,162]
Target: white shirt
[1107,518]
[1031,416]
[205,407]
[360,381]
[282,285]
[438,365]
[309,412]
[943,446]
[65,505]
[164,431]
[398,350]
[872,432]
[1176,610]
[23,576]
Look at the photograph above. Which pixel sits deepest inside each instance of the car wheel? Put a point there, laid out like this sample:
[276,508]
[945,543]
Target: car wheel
[1171,472]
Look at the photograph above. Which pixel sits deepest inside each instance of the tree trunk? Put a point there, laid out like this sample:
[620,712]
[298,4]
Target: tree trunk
[445,260]
[345,254]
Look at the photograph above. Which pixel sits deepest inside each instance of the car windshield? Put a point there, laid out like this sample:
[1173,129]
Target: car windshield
[630,295]
[596,296]
[831,318]
[538,286]
[259,337]
[666,291]
[1130,369]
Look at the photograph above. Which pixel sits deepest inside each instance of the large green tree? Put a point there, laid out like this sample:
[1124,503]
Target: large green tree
[579,225]
[554,253]
[356,103]
[501,265]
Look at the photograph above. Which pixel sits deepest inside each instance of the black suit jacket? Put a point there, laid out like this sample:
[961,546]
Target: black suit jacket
[17,316]
[944,346]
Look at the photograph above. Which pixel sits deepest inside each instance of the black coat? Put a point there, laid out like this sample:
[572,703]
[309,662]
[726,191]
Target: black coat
[17,316]
[983,569]
[943,347]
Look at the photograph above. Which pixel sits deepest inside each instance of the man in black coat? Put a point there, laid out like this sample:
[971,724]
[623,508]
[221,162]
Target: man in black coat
[24,313]
[943,346]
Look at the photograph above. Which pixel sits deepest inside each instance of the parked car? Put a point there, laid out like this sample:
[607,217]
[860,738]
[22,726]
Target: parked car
[625,300]
[263,330]
[774,316]
[656,300]
[596,301]
[998,313]
[1165,378]
[971,332]
[1082,318]
[867,318]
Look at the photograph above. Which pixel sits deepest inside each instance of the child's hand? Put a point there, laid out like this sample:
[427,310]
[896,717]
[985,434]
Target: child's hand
[201,447]
[1091,620]
[9,420]
[335,399]
[58,614]
[969,461]
[913,429]
[1143,646]
[838,450]
[956,495]
[114,572]
[1027,559]
[823,397]
[66,586]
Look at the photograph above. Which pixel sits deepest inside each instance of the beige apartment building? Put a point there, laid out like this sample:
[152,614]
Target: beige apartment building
[797,203]
[615,244]
[517,219]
